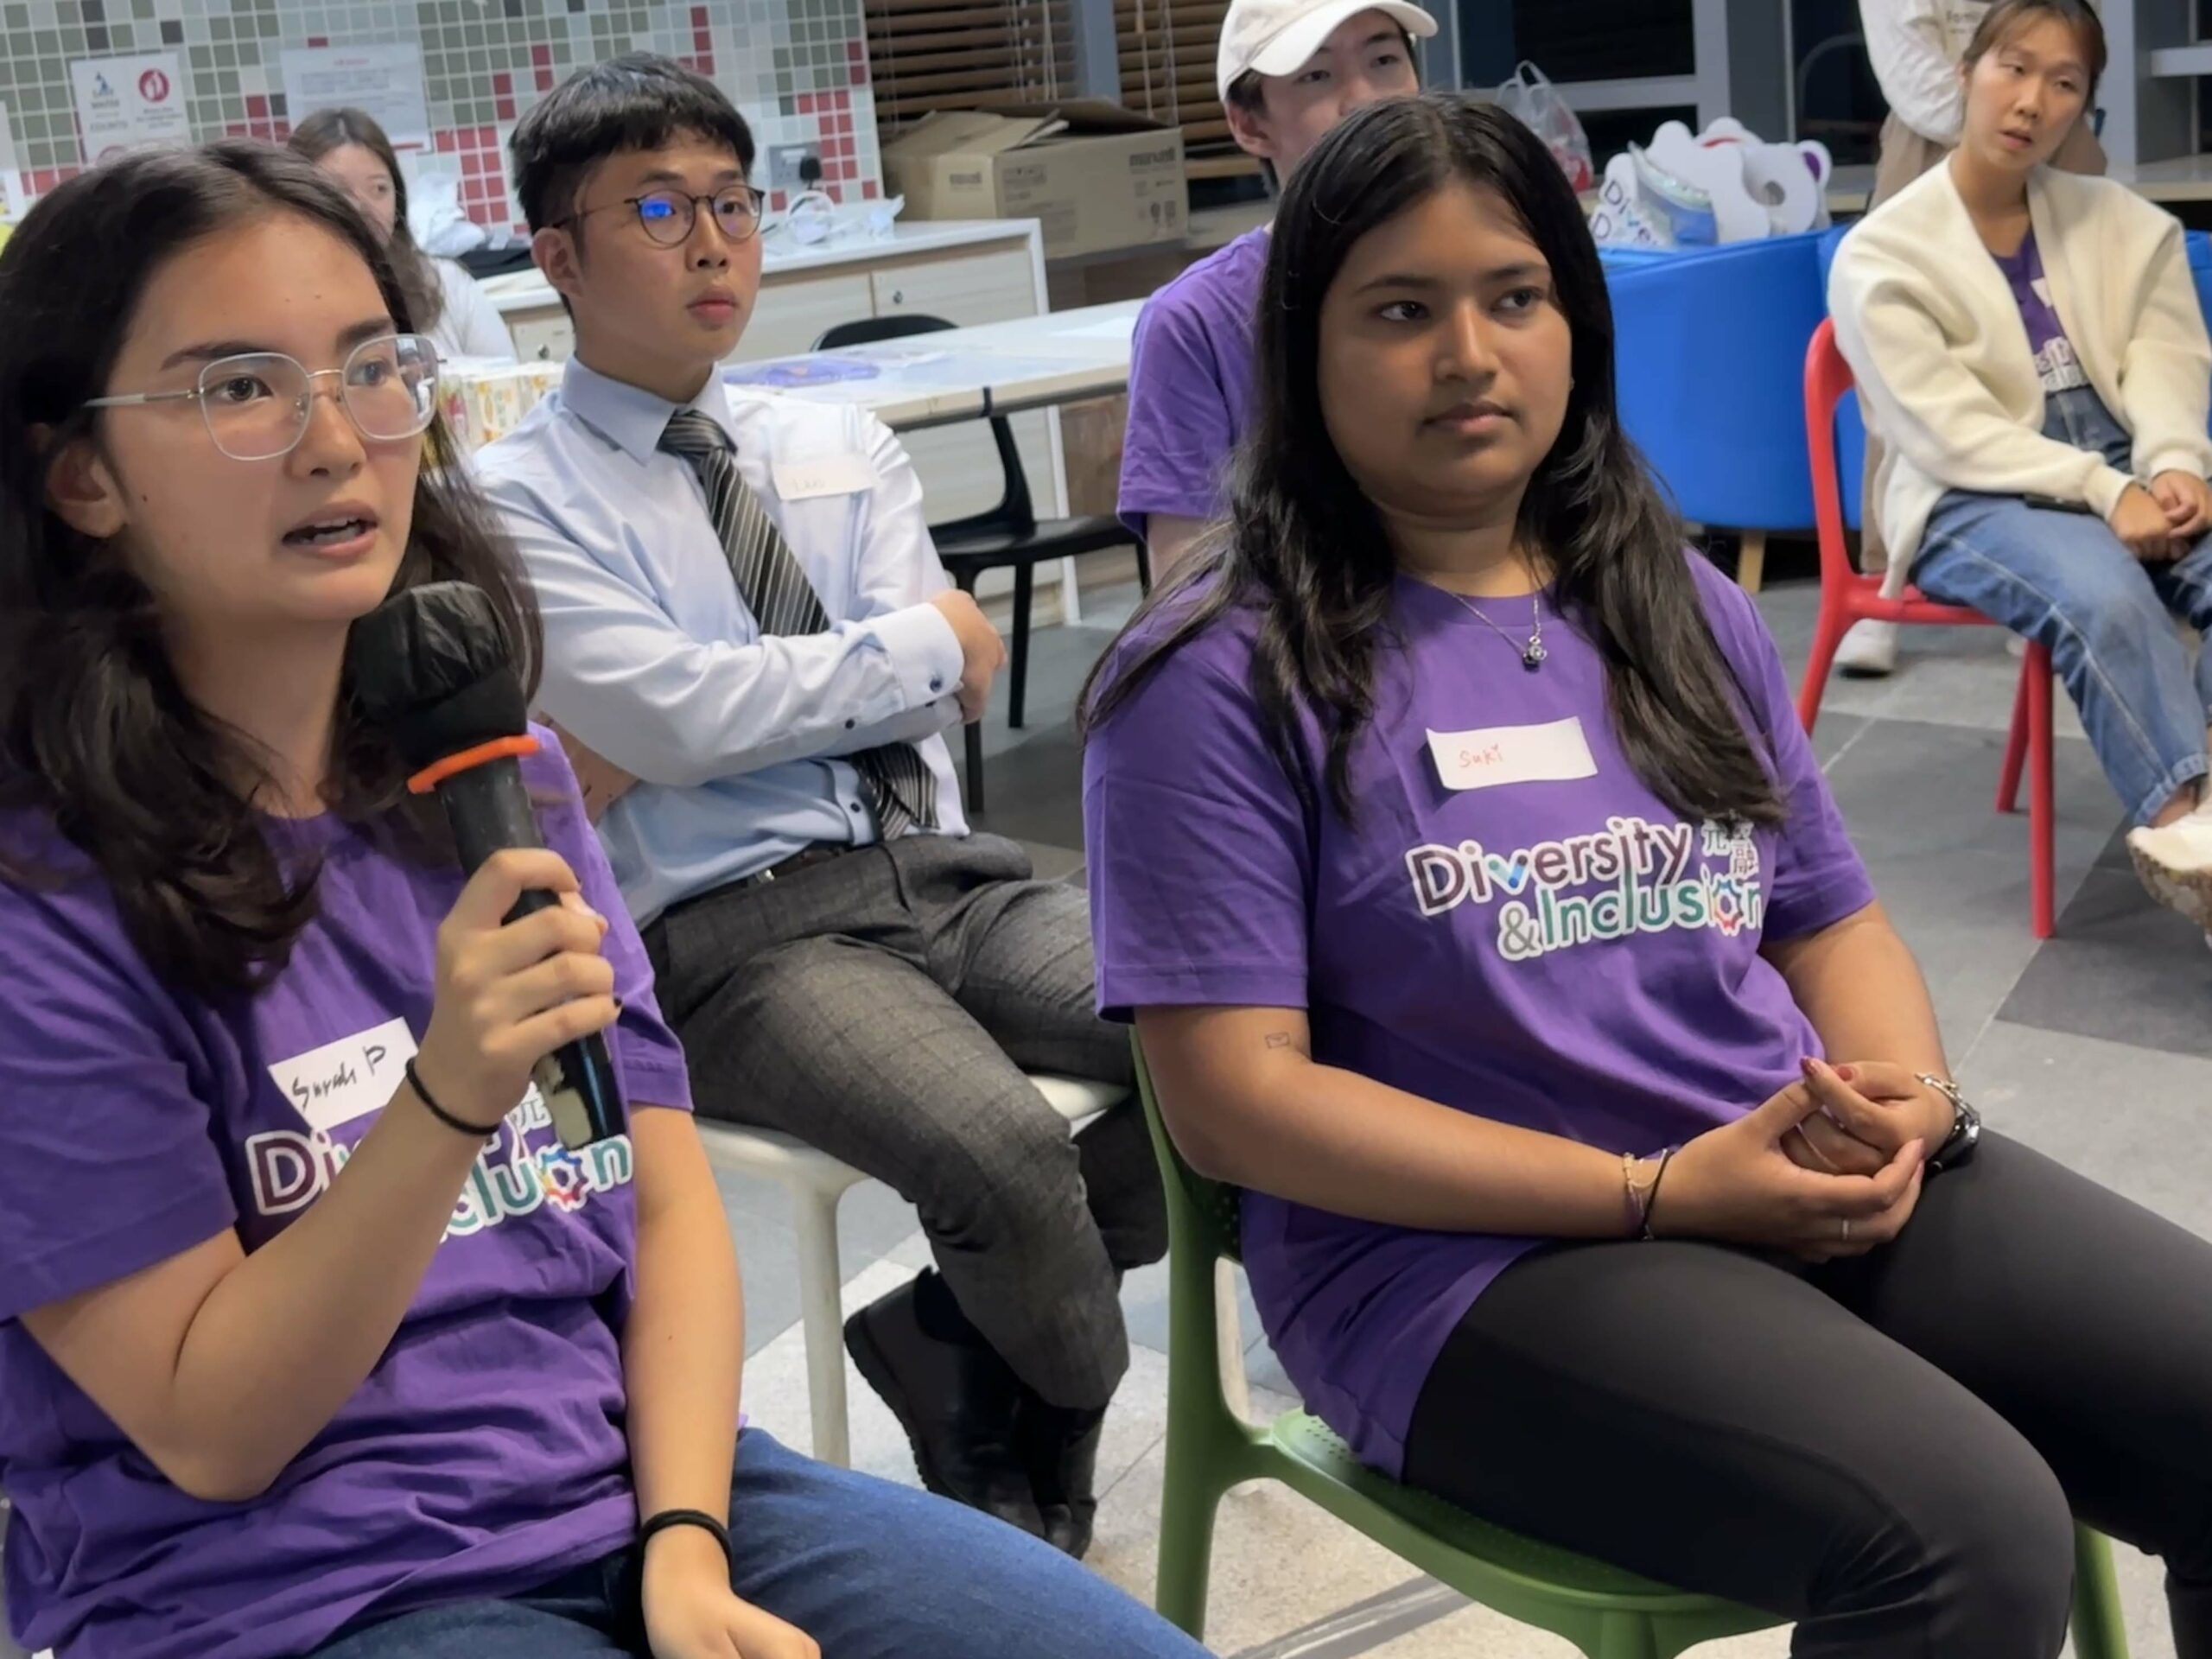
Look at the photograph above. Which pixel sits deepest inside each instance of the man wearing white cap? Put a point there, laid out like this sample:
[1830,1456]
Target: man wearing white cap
[1289,71]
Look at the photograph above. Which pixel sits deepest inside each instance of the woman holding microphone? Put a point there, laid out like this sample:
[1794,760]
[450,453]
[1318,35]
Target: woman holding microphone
[313,1339]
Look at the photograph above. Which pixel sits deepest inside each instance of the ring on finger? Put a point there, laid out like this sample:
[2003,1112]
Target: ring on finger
[1846,1232]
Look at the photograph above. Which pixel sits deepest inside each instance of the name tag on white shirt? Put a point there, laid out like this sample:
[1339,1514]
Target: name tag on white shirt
[346,1079]
[1512,754]
[816,476]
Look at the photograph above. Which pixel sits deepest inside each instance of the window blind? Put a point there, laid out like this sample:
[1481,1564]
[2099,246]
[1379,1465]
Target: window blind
[926,55]
[1167,51]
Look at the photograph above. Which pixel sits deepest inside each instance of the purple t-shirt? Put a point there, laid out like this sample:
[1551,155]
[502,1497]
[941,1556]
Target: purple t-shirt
[1191,385]
[485,1453]
[2057,365]
[1568,955]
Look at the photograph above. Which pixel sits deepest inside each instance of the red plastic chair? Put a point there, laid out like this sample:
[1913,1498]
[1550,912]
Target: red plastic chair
[1847,597]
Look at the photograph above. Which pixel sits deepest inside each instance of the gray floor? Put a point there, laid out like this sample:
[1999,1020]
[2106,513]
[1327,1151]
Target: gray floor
[2095,1047]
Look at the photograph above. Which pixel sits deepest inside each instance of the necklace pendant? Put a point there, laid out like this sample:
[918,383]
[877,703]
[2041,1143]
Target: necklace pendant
[1532,657]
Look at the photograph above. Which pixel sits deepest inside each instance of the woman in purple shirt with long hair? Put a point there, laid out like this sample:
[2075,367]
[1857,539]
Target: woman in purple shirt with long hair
[314,1338]
[1487,920]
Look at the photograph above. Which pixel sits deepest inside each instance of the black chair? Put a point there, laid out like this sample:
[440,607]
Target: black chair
[1008,536]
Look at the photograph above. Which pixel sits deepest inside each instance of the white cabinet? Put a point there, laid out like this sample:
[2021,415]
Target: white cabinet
[796,311]
[989,286]
[545,336]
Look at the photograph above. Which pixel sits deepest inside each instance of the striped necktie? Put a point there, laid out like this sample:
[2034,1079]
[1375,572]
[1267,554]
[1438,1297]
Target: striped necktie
[783,601]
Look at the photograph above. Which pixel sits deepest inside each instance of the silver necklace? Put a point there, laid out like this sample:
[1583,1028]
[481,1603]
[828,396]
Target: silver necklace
[1533,653]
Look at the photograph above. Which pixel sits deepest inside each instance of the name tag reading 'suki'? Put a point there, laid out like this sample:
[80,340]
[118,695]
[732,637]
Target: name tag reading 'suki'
[1512,754]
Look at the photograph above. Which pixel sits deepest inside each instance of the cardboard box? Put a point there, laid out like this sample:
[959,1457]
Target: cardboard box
[1099,176]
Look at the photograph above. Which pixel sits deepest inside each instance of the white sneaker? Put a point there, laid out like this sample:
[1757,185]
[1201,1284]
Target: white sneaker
[1868,652]
[2176,865]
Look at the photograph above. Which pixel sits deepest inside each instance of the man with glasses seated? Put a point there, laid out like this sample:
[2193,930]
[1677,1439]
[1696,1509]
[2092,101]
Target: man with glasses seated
[753,652]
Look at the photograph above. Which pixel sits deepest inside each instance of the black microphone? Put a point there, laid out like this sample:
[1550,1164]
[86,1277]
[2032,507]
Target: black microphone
[431,666]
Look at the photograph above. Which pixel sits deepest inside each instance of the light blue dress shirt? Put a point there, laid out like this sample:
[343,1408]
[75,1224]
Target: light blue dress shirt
[653,661]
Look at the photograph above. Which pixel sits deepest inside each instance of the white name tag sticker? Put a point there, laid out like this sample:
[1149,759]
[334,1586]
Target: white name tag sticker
[1512,754]
[346,1079]
[816,476]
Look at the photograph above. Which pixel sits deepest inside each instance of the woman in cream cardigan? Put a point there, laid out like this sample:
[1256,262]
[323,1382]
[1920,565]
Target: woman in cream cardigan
[2032,354]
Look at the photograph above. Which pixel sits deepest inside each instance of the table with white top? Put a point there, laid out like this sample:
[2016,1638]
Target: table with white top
[967,374]
[964,374]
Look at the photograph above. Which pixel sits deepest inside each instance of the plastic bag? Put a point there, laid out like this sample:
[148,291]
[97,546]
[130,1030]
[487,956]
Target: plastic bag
[1537,105]
[434,215]
[1678,210]
[1619,220]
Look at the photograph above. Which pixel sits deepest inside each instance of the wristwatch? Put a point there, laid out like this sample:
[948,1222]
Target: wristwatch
[1959,1145]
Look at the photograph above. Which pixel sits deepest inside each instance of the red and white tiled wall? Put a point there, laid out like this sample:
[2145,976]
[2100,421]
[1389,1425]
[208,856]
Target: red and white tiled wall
[798,69]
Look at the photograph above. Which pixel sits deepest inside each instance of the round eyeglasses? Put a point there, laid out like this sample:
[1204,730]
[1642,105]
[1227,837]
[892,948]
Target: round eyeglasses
[668,217]
[258,404]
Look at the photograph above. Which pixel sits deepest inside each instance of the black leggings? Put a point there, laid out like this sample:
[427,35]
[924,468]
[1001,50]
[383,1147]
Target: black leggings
[1888,1450]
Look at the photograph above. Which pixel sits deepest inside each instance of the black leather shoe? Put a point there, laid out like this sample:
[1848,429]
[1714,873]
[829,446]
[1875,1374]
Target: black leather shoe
[1059,1448]
[957,1402]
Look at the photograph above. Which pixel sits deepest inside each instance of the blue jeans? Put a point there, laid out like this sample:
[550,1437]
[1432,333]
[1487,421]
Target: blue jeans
[2065,581]
[869,1570]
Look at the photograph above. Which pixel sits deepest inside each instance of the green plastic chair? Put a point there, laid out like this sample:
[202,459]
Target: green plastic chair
[1606,1613]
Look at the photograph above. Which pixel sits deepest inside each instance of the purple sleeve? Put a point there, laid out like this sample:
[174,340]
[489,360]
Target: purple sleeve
[1818,879]
[108,1164]
[1180,435]
[648,1059]
[1200,862]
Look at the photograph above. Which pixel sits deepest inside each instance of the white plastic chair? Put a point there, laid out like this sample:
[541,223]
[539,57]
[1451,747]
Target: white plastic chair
[816,1181]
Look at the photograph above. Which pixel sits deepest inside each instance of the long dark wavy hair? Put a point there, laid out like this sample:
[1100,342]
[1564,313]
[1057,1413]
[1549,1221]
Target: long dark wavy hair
[328,130]
[97,736]
[1308,549]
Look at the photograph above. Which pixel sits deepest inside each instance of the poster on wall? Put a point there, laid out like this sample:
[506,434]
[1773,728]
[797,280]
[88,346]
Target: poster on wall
[386,81]
[124,103]
[11,178]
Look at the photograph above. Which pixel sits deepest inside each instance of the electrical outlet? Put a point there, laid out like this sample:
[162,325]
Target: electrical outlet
[787,166]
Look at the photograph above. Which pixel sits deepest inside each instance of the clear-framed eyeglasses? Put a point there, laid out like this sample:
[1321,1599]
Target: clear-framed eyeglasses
[258,404]
[668,217]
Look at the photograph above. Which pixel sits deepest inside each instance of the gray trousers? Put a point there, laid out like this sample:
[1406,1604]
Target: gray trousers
[883,1007]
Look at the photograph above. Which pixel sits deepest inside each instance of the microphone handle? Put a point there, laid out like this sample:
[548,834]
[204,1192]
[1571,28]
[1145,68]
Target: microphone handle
[488,807]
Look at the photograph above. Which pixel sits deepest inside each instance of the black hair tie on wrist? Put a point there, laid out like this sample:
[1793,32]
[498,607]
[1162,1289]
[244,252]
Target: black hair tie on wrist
[1651,1198]
[699,1518]
[460,1125]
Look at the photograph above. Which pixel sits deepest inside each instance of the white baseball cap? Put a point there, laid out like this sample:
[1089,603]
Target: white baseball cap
[1275,37]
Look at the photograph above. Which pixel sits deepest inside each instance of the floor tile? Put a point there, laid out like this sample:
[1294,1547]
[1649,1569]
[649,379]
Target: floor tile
[1957,676]
[1914,786]
[2135,1120]
[1966,915]
[2122,968]
[1279,1563]
[1144,1306]
[1034,793]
